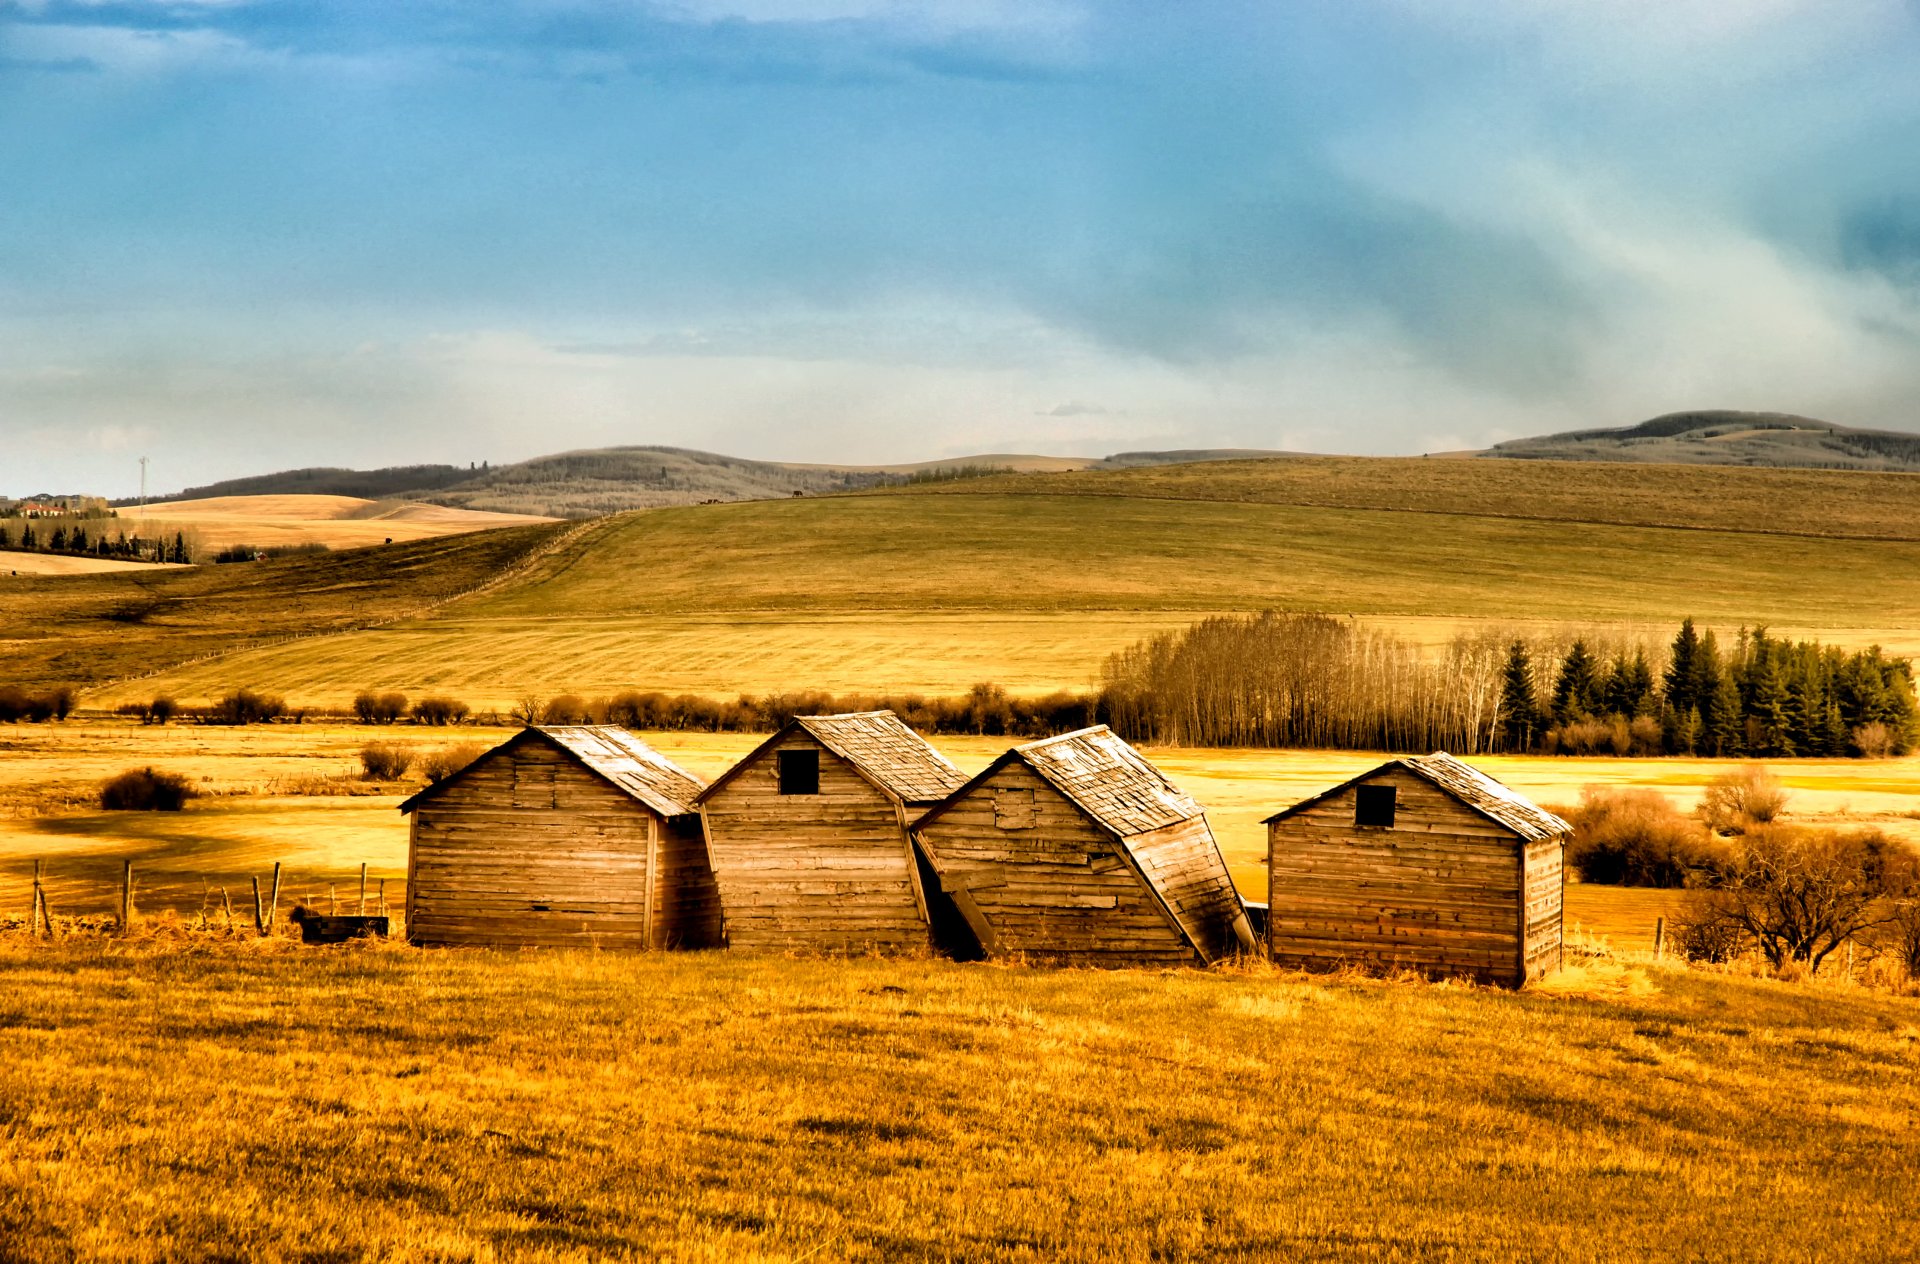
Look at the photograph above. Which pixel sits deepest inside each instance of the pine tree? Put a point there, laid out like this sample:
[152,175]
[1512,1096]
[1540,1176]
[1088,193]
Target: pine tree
[180,546]
[1519,709]
[1772,706]
[59,540]
[1574,692]
[1686,732]
[1682,679]
[27,540]
[78,540]
[6,537]
[1725,724]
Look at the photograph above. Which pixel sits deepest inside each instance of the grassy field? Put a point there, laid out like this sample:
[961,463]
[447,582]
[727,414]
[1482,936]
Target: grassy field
[1032,580]
[258,807]
[339,522]
[259,1101]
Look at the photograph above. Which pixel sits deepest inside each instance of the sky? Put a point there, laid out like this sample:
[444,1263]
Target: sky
[246,235]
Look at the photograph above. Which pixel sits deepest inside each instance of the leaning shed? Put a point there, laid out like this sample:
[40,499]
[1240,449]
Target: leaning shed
[562,835]
[1077,849]
[1424,863]
[808,834]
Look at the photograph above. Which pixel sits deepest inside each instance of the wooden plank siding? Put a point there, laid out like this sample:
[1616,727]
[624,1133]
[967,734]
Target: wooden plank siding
[1438,892]
[529,848]
[1037,878]
[832,870]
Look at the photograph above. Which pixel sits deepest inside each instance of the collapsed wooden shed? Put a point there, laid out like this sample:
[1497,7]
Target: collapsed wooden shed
[808,835]
[565,835]
[1077,849]
[1424,863]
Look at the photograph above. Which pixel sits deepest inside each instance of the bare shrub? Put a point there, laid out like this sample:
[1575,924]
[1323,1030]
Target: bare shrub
[161,710]
[374,707]
[1874,741]
[1700,933]
[384,761]
[443,761]
[439,711]
[146,790]
[1798,894]
[1636,838]
[1737,801]
[568,708]
[244,706]
[529,709]
[1580,737]
[1646,736]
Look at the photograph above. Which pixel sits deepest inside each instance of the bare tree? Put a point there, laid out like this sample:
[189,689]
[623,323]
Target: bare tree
[1798,894]
[530,709]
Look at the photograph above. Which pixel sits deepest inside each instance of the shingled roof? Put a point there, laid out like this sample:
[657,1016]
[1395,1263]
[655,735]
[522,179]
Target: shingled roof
[1498,803]
[881,745]
[1109,780]
[616,755]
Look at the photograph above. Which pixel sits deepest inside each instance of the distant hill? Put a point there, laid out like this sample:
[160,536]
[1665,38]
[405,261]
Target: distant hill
[597,481]
[1726,437]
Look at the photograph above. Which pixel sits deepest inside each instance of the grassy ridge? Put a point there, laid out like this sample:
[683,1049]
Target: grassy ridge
[270,1103]
[933,589]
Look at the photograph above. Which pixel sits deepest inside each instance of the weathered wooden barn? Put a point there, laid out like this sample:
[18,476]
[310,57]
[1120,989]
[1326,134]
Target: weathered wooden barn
[1076,849]
[808,835]
[1423,863]
[562,836]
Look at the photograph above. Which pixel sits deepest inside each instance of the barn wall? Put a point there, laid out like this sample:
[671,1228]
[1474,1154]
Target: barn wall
[1184,864]
[1440,891]
[1045,880]
[529,848]
[1546,887]
[831,870]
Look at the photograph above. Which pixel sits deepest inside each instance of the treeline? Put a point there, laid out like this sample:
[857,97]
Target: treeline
[1761,696]
[75,542]
[1303,680]
[984,709]
[1313,681]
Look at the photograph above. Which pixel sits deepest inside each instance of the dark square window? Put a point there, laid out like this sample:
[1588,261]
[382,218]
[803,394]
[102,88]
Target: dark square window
[1373,805]
[799,772]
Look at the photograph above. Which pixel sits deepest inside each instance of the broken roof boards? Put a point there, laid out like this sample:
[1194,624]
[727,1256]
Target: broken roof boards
[1424,863]
[808,835]
[563,835]
[1077,849]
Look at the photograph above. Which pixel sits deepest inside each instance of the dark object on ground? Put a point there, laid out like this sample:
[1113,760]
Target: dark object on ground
[318,928]
[145,790]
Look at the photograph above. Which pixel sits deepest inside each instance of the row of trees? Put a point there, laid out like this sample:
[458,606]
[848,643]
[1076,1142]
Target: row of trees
[1310,680]
[75,542]
[1762,696]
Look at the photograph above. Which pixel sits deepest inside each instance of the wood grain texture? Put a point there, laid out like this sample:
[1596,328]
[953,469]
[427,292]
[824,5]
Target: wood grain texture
[1444,890]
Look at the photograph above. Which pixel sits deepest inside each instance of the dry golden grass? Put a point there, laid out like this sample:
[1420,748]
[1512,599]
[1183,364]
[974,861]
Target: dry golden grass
[265,1102]
[14,564]
[339,522]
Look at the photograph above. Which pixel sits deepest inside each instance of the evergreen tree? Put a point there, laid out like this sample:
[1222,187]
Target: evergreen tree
[180,546]
[1724,726]
[27,540]
[59,540]
[1772,706]
[1574,690]
[6,537]
[1686,732]
[1634,693]
[78,540]
[1682,678]
[1519,709]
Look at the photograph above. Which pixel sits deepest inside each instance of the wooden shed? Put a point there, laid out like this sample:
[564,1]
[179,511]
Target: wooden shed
[1424,863]
[562,836]
[1076,849]
[808,835]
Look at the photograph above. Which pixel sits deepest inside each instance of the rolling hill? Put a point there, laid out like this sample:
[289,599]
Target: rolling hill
[598,481]
[1026,581]
[1725,437]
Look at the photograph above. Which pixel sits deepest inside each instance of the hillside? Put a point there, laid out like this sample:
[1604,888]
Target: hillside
[1032,581]
[339,522]
[598,481]
[1725,437]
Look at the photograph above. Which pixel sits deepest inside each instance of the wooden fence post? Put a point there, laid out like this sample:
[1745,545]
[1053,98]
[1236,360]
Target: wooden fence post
[1659,937]
[383,897]
[33,910]
[126,895]
[363,889]
[259,913]
[227,905]
[333,900]
[273,901]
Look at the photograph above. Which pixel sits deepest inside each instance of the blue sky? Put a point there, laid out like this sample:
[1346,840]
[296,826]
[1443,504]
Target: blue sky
[240,236]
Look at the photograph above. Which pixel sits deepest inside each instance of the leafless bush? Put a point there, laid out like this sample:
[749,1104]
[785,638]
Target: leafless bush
[1636,838]
[244,706]
[568,708]
[1798,894]
[379,708]
[529,709]
[443,761]
[1874,741]
[160,710]
[1582,737]
[439,711]
[1737,801]
[1701,934]
[146,790]
[384,761]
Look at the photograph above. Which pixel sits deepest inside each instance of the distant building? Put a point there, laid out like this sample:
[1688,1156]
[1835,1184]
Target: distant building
[1423,864]
[567,835]
[1076,849]
[808,835]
